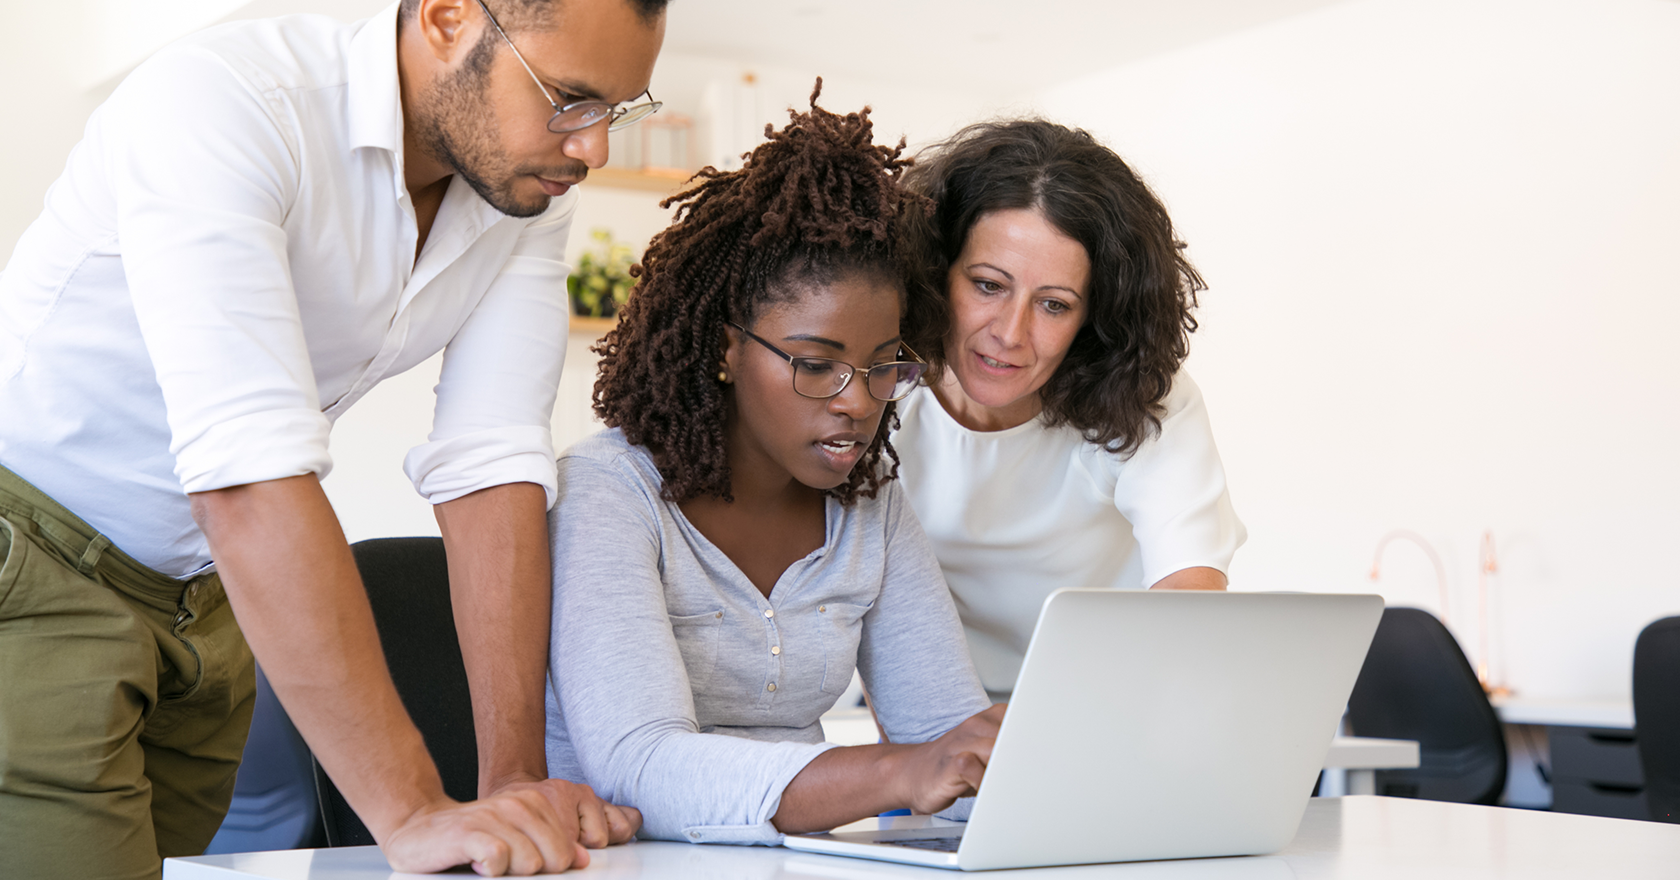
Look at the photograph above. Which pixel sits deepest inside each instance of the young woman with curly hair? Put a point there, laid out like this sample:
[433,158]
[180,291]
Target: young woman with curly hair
[735,544]
[1058,443]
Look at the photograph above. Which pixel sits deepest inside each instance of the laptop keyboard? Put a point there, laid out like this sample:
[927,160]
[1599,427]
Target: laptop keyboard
[938,844]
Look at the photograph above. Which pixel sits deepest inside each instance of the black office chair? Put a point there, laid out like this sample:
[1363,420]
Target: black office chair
[1656,712]
[1416,684]
[407,582]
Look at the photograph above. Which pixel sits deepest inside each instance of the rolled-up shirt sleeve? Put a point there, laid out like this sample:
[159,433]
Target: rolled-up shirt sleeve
[501,372]
[201,181]
[622,687]
[1173,491]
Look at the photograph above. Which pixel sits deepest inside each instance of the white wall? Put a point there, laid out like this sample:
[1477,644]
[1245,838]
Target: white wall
[44,107]
[1440,238]
[1441,242]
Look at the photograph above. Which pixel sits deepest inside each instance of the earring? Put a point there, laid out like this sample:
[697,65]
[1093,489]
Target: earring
[723,372]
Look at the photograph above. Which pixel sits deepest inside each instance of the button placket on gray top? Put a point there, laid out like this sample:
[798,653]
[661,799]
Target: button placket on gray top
[787,596]
[788,584]
[773,634]
[791,583]
[775,638]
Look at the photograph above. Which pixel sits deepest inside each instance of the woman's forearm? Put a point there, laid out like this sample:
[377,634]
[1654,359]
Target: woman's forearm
[842,785]
[846,784]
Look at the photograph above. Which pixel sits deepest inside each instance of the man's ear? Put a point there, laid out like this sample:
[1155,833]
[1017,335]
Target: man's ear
[450,28]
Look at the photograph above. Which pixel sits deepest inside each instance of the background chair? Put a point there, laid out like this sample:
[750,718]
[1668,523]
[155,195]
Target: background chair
[407,581]
[1656,712]
[1416,684]
[274,804]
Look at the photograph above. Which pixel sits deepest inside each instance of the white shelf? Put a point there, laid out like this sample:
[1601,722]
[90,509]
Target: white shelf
[665,181]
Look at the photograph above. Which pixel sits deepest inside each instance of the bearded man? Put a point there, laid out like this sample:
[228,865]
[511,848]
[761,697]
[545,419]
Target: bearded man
[264,221]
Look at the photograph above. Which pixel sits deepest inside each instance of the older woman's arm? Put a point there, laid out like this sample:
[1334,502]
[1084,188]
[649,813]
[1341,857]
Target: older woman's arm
[1197,578]
[1173,491]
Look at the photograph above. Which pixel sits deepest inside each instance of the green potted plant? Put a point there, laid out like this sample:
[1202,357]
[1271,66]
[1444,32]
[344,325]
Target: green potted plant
[600,284]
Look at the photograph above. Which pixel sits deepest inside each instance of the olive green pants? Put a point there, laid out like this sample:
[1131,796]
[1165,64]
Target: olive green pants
[125,698]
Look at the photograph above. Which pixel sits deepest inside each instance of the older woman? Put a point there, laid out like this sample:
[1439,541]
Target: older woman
[1057,442]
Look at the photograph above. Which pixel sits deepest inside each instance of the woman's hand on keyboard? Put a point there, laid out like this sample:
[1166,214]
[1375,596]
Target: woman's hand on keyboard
[938,772]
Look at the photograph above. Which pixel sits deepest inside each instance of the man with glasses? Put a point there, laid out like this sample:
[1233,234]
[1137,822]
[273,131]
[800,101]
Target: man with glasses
[263,222]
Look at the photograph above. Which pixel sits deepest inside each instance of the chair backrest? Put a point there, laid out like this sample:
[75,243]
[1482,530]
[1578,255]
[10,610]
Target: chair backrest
[275,803]
[1656,712]
[1416,684]
[407,581]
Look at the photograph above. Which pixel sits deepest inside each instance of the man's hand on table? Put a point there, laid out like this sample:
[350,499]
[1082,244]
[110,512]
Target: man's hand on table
[525,827]
[599,823]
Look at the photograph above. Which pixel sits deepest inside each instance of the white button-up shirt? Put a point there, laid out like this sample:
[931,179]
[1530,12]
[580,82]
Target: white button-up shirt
[228,263]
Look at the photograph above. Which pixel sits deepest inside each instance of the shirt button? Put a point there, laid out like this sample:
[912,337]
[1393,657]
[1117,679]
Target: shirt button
[719,616]
[775,649]
[771,687]
[822,609]
[769,612]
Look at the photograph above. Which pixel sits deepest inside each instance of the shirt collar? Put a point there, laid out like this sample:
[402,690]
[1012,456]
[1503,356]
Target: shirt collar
[374,100]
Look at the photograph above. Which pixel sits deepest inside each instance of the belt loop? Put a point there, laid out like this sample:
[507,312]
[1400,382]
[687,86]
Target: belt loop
[90,556]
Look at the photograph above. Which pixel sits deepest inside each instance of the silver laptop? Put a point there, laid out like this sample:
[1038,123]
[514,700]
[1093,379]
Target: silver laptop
[1152,725]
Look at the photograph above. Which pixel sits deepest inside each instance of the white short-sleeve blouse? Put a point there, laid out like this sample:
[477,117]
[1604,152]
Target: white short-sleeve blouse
[1019,513]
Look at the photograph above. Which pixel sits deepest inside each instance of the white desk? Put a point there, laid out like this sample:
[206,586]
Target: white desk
[1352,760]
[1352,763]
[1606,713]
[1354,838]
[1591,747]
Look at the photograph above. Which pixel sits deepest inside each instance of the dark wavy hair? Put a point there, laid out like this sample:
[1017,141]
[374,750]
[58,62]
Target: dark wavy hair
[1143,289]
[817,202]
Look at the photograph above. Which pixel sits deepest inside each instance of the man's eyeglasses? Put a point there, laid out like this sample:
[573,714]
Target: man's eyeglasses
[579,115]
[822,378]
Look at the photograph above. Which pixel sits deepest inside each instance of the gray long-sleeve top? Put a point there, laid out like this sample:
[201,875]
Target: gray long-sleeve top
[677,688]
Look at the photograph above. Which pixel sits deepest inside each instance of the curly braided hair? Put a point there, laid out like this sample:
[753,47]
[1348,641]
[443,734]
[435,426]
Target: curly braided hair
[818,201]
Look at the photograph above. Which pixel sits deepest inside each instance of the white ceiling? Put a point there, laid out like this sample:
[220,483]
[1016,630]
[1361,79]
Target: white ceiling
[1012,46]
[1017,46]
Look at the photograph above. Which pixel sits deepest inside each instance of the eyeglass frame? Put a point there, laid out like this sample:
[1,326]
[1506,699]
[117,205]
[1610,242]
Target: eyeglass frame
[849,376]
[614,112]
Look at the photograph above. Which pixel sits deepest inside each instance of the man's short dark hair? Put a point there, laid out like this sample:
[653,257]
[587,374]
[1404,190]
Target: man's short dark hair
[519,15]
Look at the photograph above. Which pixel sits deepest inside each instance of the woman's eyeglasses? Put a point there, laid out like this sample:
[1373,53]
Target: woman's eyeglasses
[822,378]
